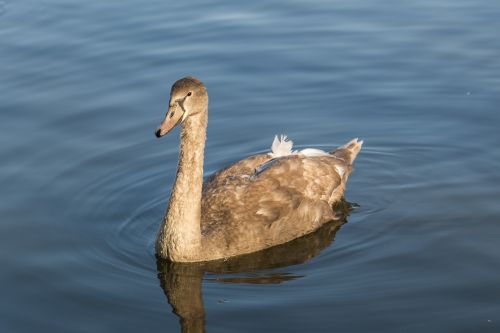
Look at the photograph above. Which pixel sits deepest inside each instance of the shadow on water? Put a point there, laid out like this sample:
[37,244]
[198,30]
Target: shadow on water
[182,283]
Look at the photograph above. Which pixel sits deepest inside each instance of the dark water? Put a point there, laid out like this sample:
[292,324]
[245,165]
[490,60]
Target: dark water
[84,183]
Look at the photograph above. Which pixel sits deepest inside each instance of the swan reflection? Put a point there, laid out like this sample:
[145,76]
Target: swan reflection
[182,282]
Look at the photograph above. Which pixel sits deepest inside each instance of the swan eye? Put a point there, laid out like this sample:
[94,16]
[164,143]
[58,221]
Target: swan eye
[172,114]
[189,93]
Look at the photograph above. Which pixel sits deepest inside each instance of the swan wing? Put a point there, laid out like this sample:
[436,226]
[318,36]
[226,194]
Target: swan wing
[289,197]
[296,186]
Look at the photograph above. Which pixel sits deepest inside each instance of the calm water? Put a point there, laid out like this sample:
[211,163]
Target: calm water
[84,183]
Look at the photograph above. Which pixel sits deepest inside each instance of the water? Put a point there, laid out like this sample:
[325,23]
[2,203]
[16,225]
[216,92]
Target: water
[84,183]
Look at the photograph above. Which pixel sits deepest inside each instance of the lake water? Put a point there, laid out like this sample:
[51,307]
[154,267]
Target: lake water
[84,183]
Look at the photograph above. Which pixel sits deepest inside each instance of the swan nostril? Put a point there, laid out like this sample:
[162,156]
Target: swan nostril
[158,133]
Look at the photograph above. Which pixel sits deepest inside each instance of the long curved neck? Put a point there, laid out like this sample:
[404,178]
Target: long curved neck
[179,238]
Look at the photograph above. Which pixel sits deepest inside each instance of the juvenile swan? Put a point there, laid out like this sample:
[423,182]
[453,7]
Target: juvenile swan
[259,202]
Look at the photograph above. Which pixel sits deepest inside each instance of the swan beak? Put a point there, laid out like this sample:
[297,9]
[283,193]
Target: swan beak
[173,118]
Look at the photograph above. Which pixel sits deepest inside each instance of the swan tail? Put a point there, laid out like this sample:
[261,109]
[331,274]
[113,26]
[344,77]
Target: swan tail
[349,151]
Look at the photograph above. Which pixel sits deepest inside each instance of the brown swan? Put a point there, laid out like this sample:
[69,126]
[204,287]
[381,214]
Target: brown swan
[259,202]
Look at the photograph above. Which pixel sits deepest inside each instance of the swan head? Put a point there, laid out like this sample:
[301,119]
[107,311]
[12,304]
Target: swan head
[188,98]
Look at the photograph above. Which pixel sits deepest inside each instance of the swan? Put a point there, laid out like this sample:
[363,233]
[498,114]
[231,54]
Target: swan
[256,203]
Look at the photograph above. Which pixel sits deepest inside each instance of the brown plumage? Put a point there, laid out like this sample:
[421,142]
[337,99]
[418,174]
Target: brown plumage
[259,202]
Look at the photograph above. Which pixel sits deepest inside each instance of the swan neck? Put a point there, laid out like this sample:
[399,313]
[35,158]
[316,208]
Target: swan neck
[180,237]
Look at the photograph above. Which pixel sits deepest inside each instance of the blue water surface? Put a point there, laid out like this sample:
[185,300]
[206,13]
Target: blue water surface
[84,183]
